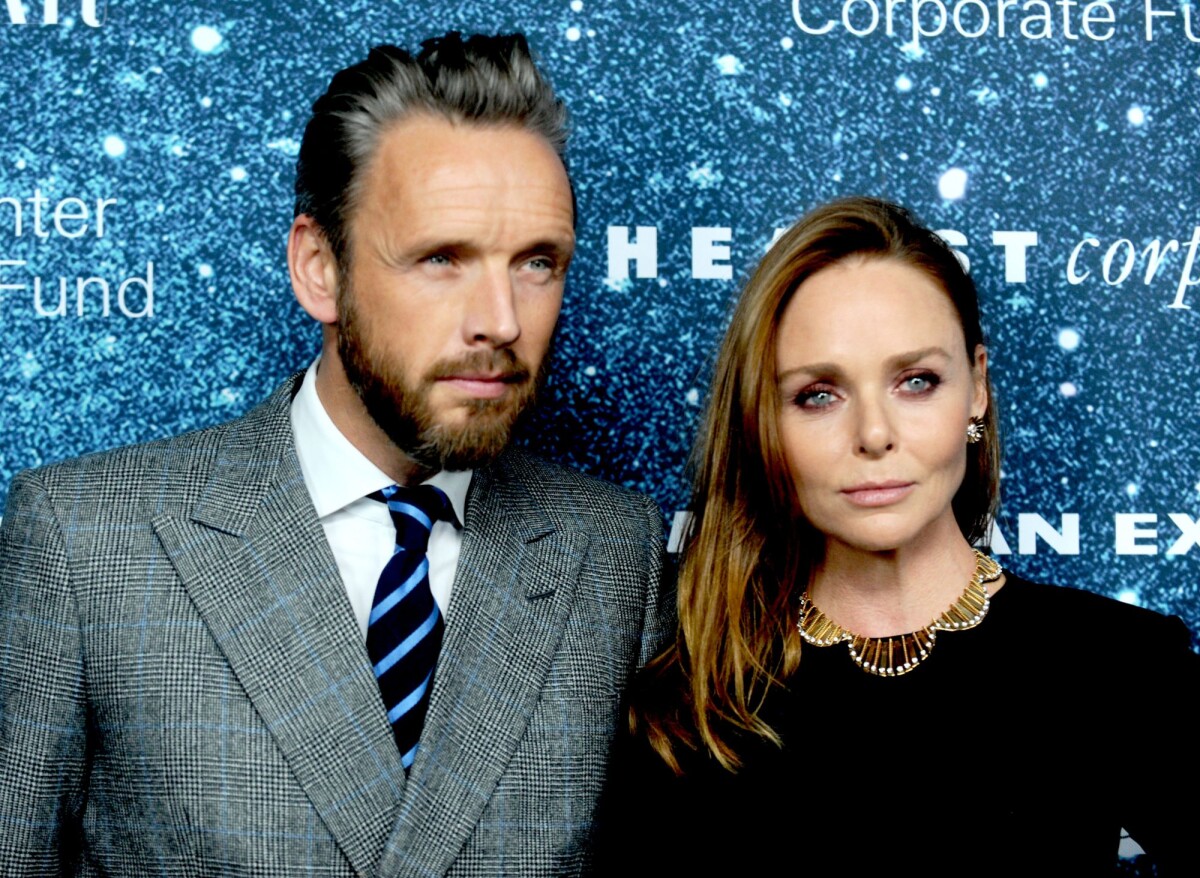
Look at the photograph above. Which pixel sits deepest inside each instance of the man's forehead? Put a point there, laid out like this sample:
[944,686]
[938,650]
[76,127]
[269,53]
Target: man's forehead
[463,173]
[432,144]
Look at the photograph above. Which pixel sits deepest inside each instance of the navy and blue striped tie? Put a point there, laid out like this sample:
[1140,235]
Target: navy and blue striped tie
[404,631]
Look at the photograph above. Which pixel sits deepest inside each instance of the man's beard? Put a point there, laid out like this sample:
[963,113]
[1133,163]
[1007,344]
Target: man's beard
[403,411]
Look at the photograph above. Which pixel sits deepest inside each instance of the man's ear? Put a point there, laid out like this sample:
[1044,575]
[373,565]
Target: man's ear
[313,270]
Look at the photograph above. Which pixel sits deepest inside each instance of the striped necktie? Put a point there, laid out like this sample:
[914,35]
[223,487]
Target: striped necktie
[404,631]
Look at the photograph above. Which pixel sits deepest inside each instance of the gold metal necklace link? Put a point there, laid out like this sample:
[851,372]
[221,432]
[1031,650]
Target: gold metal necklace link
[898,654]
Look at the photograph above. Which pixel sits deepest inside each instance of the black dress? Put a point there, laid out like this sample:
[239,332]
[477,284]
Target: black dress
[1020,747]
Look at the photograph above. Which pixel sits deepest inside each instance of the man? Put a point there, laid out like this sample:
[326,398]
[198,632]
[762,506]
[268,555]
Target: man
[204,663]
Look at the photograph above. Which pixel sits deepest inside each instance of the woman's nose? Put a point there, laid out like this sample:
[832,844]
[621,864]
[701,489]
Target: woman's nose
[875,435]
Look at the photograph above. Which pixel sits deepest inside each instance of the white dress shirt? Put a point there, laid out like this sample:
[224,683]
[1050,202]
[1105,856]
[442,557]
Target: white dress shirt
[359,530]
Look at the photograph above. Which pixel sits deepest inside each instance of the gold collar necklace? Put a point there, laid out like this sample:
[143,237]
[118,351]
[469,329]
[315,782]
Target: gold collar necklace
[897,655]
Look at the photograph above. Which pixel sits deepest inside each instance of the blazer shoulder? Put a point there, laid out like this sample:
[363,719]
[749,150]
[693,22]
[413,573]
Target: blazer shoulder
[575,498]
[123,475]
[121,479]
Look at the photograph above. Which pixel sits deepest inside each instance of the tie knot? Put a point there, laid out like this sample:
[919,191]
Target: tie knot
[414,512]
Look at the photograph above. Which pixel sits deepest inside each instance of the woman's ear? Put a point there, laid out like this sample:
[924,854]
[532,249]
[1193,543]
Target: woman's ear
[979,403]
[313,270]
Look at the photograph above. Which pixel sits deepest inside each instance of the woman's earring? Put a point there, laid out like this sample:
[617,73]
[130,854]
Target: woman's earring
[974,430]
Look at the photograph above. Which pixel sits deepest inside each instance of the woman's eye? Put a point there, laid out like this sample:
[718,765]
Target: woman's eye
[923,383]
[815,399]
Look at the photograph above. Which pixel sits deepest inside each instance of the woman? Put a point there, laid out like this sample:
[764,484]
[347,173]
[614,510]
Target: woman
[854,688]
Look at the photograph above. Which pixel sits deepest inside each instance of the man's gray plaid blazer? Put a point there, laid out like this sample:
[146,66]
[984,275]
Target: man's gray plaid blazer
[184,689]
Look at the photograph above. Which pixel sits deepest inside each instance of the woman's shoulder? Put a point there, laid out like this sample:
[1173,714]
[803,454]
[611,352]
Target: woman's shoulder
[1080,613]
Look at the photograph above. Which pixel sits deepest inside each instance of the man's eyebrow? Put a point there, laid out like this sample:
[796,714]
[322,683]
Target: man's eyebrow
[562,248]
[550,246]
[402,255]
[433,245]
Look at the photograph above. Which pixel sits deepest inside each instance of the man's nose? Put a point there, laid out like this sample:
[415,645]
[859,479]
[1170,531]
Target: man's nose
[491,310]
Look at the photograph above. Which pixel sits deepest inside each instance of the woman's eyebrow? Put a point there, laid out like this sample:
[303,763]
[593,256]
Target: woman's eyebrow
[830,370]
[907,359]
[833,370]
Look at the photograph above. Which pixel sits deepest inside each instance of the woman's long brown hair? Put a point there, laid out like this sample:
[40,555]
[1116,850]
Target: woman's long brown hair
[750,552]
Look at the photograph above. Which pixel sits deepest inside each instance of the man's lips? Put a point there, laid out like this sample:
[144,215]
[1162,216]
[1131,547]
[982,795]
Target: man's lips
[870,494]
[483,385]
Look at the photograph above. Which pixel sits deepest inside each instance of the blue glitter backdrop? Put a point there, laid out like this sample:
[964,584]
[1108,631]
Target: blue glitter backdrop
[149,152]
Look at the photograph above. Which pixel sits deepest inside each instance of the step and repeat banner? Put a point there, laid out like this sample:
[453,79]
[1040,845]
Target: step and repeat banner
[145,196]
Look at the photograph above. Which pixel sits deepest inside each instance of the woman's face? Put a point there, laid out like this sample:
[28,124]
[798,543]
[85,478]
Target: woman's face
[876,390]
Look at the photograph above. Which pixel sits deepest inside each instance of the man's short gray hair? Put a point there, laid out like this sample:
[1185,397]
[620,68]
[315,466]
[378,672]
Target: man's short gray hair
[486,80]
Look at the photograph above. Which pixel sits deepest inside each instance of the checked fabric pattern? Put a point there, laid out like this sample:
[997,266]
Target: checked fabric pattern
[404,630]
[182,689]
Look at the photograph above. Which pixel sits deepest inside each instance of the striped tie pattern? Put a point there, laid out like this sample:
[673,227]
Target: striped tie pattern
[404,630]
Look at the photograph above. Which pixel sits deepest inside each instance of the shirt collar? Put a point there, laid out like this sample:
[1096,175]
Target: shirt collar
[338,474]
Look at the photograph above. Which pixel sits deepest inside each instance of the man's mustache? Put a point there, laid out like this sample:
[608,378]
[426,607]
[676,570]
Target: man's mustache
[502,363]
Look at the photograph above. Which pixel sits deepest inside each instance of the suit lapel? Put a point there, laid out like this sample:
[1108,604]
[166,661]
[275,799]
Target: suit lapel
[255,562]
[512,592]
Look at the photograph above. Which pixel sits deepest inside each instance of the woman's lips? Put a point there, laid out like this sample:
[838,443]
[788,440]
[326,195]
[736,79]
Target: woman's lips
[878,493]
